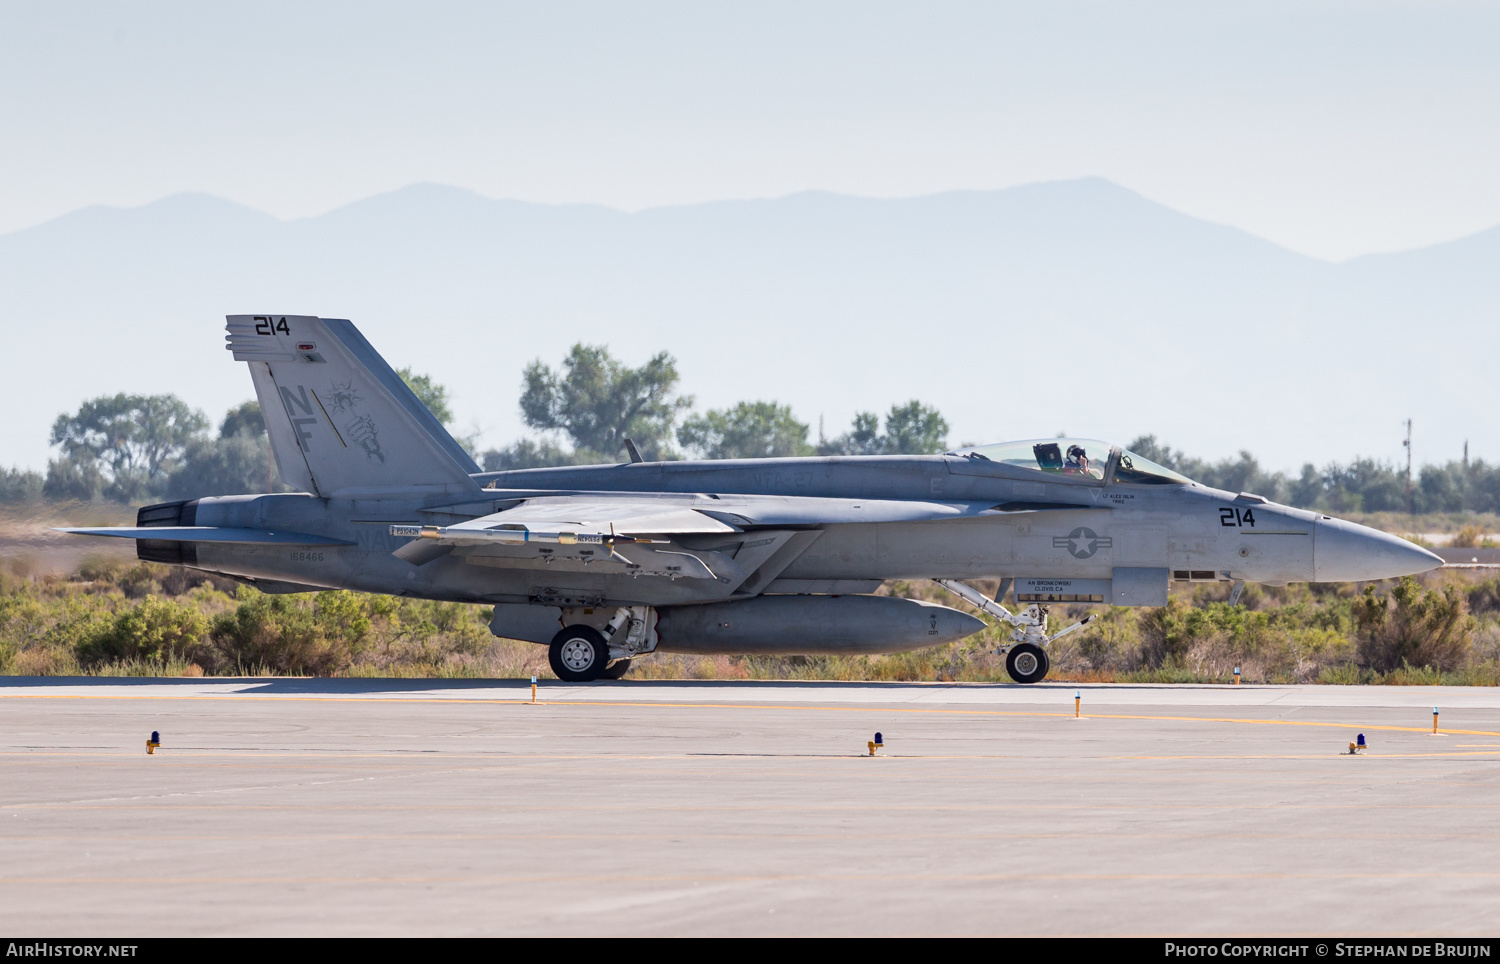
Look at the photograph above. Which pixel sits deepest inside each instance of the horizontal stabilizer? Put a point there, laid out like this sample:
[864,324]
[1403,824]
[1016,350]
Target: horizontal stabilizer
[211,534]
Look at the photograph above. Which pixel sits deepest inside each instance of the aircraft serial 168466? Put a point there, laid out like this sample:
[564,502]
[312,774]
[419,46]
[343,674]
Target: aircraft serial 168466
[606,563]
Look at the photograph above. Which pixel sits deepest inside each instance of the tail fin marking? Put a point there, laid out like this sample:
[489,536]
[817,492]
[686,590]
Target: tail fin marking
[340,419]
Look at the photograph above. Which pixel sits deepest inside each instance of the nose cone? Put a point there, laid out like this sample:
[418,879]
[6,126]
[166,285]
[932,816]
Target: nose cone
[1345,552]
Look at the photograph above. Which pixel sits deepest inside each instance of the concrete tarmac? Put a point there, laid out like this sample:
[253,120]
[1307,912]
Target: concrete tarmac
[401,807]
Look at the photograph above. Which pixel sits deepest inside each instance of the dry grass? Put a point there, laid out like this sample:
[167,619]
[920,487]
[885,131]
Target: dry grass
[114,618]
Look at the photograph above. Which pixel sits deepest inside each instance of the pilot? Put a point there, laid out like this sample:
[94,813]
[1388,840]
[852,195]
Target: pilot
[1078,461]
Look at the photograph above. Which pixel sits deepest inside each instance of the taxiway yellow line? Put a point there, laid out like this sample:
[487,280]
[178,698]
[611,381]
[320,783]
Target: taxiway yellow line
[244,697]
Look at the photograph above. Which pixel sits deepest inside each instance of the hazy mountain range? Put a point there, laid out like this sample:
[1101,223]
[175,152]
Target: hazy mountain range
[1073,306]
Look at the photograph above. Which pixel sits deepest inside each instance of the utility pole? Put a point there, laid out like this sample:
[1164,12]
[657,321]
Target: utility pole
[1411,508]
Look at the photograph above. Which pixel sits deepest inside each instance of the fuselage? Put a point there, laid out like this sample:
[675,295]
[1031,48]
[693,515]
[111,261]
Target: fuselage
[1038,527]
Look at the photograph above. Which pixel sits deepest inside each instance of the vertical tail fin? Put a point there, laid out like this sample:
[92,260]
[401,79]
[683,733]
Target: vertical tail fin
[341,422]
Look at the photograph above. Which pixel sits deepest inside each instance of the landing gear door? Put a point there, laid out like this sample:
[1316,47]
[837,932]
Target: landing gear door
[1139,587]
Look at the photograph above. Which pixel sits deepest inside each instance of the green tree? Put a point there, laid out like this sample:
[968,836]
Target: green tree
[20,485]
[1242,474]
[915,429]
[863,439]
[1305,491]
[528,454]
[598,402]
[74,478]
[243,419]
[1365,485]
[238,462]
[131,443]
[430,393]
[910,429]
[749,430]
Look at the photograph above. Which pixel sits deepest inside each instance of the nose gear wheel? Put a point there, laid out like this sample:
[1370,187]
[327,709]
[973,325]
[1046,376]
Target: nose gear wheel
[1027,663]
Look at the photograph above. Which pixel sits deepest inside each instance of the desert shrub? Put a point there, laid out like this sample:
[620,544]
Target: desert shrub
[1344,674]
[1113,641]
[419,636]
[154,630]
[1484,597]
[72,624]
[45,661]
[1468,537]
[1168,632]
[288,634]
[936,663]
[104,570]
[139,581]
[1486,643]
[136,581]
[1413,627]
[1293,643]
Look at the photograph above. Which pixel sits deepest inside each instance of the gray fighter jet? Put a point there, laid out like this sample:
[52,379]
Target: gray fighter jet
[606,563]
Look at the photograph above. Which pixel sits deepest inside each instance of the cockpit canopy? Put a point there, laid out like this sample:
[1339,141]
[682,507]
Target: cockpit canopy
[1082,458]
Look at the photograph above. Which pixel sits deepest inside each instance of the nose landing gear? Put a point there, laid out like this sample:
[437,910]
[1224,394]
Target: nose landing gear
[1026,661]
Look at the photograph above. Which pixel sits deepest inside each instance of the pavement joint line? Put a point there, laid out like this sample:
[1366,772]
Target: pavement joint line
[756,706]
[418,837]
[751,808]
[754,878]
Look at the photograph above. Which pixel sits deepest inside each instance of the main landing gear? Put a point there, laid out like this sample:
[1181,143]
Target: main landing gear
[578,654]
[582,654]
[1026,660]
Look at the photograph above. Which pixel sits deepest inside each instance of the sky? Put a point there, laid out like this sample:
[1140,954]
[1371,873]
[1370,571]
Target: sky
[1335,129]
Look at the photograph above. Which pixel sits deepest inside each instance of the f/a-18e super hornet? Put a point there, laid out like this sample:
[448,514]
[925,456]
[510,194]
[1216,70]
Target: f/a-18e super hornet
[606,563]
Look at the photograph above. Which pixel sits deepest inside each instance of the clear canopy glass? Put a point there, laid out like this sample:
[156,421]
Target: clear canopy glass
[1143,471]
[1081,458]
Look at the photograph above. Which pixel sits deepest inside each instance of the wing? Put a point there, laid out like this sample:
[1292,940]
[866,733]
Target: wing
[624,531]
[624,516]
[656,534]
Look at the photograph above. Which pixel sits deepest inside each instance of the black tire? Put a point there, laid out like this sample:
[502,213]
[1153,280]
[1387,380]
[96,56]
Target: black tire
[578,654]
[617,669]
[1027,663]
